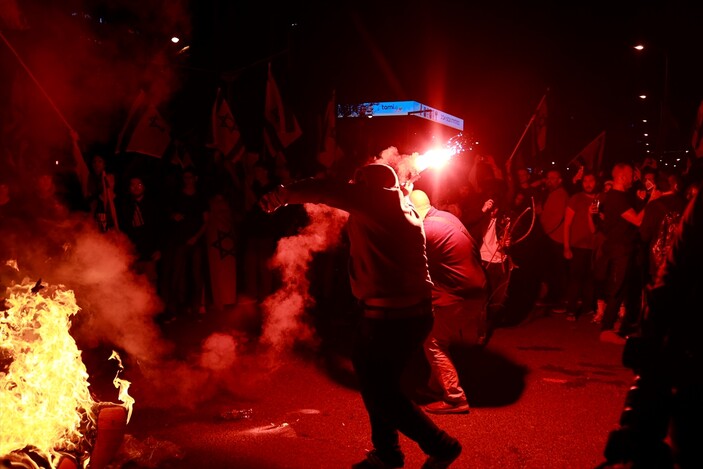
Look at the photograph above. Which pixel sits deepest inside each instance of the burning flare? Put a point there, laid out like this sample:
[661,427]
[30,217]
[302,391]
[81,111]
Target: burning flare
[435,158]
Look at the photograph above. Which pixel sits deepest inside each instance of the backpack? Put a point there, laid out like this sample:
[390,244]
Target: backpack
[668,228]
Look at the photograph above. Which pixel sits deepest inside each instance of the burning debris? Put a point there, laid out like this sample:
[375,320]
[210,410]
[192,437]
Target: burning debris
[47,414]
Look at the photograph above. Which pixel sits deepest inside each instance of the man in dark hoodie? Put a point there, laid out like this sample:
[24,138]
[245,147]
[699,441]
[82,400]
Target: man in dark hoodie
[389,276]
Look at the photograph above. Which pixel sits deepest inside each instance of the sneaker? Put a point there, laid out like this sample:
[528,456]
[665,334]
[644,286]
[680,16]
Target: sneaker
[442,407]
[373,461]
[612,337]
[442,462]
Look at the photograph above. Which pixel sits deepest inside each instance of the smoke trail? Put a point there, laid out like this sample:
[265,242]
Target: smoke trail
[284,310]
[404,165]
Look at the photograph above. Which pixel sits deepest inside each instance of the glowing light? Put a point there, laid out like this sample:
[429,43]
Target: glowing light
[644,120]
[45,402]
[435,158]
[639,47]
[646,135]
[678,159]
[175,40]
[57,162]
[643,96]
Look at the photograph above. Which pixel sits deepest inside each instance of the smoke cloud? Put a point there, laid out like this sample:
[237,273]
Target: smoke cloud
[404,165]
[284,311]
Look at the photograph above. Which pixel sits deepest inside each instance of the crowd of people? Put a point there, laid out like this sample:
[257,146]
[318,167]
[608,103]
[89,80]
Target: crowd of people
[169,216]
[581,244]
[600,237]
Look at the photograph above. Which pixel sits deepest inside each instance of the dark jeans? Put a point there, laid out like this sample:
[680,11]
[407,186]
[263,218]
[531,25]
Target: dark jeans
[613,270]
[383,349]
[555,270]
[580,285]
[184,277]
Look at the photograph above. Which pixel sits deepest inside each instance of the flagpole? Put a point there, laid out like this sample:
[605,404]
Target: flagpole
[527,127]
[36,82]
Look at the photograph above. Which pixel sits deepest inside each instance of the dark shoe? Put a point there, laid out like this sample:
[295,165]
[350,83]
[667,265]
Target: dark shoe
[444,461]
[427,394]
[373,461]
[612,337]
[442,407]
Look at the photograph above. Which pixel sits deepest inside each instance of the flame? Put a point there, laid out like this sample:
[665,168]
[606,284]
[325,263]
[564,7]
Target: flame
[45,404]
[123,386]
[435,158]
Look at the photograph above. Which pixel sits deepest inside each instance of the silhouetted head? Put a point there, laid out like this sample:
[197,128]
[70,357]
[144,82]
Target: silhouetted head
[377,175]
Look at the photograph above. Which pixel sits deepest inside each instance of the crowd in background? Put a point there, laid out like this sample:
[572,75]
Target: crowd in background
[554,237]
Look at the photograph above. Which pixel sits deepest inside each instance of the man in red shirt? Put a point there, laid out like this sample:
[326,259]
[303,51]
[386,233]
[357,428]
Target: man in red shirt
[458,297]
[578,249]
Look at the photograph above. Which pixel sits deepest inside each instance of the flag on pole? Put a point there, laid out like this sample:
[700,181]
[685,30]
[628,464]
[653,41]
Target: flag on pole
[329,151]
[281,120]
[533,141]
[226,136]
[697,138]
[136,108]
[150,134]
[82,171]
[181,156]
[273,149]
[591,156]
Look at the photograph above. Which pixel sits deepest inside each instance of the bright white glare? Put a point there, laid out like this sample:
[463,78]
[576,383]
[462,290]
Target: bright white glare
[643,96]
[646,135]
[175,40]
[57,162]
[678,159]
[644,120]
[435,158]
[639,47]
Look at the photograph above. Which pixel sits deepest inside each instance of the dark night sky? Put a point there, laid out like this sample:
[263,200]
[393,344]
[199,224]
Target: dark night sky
[486,62]
[491,63]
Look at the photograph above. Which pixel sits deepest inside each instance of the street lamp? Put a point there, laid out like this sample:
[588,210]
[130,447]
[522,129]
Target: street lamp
[661,138]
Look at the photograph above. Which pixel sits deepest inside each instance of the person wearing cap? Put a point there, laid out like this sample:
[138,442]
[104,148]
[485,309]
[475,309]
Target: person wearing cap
[458,297]
[390,278]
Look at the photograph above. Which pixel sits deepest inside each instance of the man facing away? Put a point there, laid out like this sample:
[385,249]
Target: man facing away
[389,276]
[458,298]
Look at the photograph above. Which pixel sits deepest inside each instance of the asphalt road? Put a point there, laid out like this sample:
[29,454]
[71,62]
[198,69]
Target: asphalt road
[543,394]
